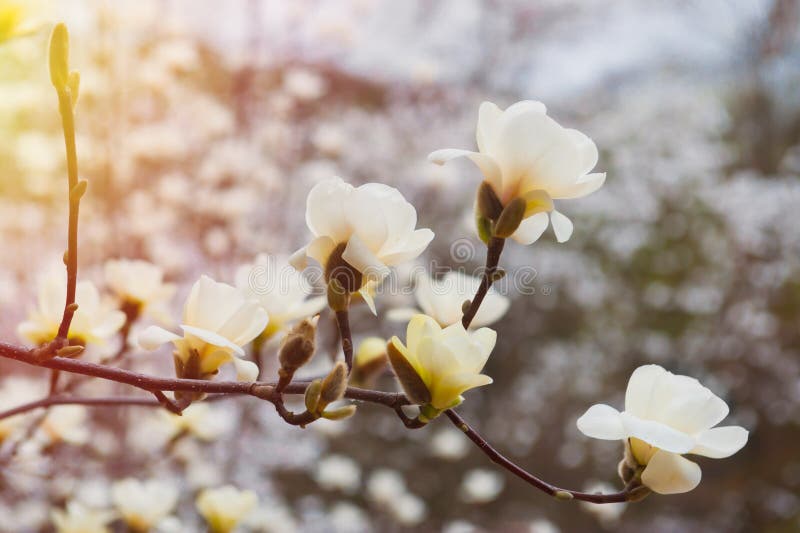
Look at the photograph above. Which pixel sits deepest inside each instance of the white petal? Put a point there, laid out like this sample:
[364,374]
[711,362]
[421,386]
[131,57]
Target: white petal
[358,254]
[602,422]
[366,295]
[488,117]
[410,249]
[721,442]
[657,434]
[299,259]
[210,337]
[531,229]
[583,187]
[154,336]
[325,209]
[320,249]
[488,166]
[562,226]
[669,473]
[245,370]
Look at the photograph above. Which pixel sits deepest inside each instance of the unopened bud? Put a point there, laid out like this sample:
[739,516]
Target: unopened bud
[298,346]
[510,218]
[59,56]
[370,360]
[72,307]
[488,203]
[336,268]
[563,495]
[70,351]
[333,386]
[498,274]
[65,257]
[341,413]
[312,395]
[465,305]
[638,494]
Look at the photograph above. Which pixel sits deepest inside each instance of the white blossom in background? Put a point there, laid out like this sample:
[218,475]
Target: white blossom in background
[345,517]
[140,284]
[337,472]
[384,485]
[65,423]
[449,444]
[408,509]
[304,84]
[280,289]
[79,519]
[608,514]
[442,300]
[666,416]
[225,507]
[371,228]
[523,153]
[143,504]
[437,365]
[200,420]
[16,391]
[481,486]
[271,517]
[217,322]
[94,322]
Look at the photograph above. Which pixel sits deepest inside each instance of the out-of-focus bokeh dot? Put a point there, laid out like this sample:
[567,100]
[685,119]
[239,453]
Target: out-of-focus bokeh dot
[202,125]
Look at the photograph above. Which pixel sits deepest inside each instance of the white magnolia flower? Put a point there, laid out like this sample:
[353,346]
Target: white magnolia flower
[367,228]
[665,417]
[481,486]
[523,153]
[14,392]
[94,321]
[140,284]
[338,472]
[437,365]
[217,321]
[280,289]
[442,300]
[143,504]
[79,519]
[225,507]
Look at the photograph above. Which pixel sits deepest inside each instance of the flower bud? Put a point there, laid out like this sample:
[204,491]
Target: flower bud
[370,360]
[298,345]
[333,386]
[336,268]
[70,351]
[488,203]
[312,395]
[510,218]
[59,56]
[341,413]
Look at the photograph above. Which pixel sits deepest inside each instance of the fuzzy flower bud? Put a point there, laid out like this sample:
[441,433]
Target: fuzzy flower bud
[298,346]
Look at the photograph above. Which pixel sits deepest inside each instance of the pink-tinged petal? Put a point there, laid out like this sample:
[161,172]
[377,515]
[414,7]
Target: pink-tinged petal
[154,336]
[721,442]
[531,229]
[657,434]
[562,226]
[488,166]
[602,422]
[669,473]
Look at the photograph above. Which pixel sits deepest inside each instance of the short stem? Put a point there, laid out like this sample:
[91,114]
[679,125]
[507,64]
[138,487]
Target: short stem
[493,251]
[343,320]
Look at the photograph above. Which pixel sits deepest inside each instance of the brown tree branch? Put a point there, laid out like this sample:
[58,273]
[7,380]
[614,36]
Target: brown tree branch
[493,250]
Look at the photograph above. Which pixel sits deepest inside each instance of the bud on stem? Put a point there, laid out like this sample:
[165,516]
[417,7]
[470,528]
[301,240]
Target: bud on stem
[59,56]
[488,203]
[333,386]
[510,218]
[298,346]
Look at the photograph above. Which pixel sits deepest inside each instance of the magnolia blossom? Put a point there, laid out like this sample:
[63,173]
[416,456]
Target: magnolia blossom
[143,504]
[65,423]
[225,507]
[442,300]
[140,284]
[16,391]
[437,365]
[665,417]
[525,154]
[79,519]
[280,289]
[13,20]
[217,321]
[93,322]
[367,228]
[200,420]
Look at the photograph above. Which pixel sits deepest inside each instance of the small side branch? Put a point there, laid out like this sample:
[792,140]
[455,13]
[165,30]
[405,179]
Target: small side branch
[493,252]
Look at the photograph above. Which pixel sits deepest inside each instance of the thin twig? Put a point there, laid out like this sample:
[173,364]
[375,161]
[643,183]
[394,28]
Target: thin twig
[343,321]
[493,251]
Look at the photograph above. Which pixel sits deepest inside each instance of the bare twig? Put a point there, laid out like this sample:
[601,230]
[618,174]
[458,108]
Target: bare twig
[343,321]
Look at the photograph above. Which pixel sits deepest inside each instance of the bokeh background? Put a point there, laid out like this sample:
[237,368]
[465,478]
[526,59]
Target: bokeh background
[203,124]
